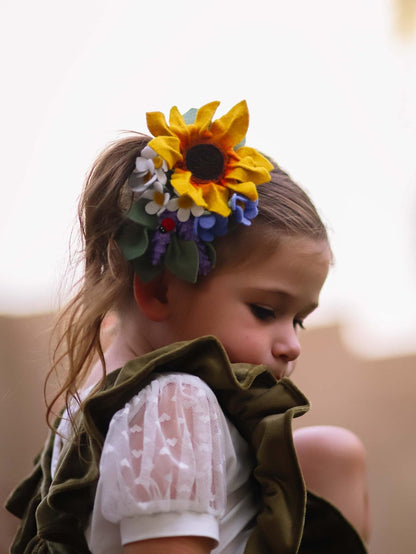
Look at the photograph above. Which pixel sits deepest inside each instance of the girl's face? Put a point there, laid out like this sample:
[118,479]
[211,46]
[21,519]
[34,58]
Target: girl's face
[255,310]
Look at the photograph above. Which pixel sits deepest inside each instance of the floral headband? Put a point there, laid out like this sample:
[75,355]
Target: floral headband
[193,182]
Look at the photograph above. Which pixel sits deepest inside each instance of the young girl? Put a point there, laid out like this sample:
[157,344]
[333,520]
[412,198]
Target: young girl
[211,258]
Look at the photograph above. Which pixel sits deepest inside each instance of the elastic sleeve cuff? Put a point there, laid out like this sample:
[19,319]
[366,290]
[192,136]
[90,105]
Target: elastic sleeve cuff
[170,524]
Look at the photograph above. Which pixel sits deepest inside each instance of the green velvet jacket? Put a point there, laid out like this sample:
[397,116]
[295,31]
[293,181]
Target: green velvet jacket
[55,512]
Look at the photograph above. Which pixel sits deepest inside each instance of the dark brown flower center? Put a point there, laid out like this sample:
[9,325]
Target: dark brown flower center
[205,162]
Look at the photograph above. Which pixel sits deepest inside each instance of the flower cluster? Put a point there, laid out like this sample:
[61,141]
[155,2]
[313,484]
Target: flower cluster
[192,181]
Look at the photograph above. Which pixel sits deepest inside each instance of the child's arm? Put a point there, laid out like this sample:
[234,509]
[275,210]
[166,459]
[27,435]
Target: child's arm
[171,545]
[333,462]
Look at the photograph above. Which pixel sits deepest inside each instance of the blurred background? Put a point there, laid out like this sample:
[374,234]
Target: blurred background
[331,88]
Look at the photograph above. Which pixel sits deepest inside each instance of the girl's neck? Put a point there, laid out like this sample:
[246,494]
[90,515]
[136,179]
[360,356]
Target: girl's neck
[124,341]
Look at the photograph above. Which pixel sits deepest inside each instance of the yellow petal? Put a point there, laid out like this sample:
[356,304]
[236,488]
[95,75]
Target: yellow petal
[232,127]
[217,198]
[156,123]
[204,115]
[247,189]
[247,172]
[177,123]
[181,182]
[259,159]
[168,148]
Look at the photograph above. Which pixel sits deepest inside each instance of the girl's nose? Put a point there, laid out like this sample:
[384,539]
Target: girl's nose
[286,345]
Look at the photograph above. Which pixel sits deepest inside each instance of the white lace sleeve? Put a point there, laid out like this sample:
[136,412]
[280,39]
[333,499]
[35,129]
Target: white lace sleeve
[164,453]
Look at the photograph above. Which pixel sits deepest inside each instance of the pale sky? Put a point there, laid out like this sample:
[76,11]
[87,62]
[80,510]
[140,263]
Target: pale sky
[331,90]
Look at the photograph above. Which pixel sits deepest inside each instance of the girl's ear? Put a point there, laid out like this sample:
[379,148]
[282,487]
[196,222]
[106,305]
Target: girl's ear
[152,298]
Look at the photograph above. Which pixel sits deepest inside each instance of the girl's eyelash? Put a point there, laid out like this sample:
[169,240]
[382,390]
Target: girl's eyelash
[261,312]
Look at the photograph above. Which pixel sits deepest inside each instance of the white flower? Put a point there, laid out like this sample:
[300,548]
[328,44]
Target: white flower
[149,168]
[185,206]
[158,199]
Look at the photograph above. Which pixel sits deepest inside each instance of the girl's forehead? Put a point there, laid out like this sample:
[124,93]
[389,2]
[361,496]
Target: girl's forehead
[297,268]
[301,257]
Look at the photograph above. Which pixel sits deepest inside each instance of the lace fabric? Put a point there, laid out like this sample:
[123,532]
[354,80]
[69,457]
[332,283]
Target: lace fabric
[164,452]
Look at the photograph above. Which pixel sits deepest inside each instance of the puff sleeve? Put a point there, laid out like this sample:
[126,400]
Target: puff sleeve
[162,470]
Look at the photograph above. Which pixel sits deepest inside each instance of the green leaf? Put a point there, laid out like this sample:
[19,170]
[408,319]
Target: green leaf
[133,241]
[138,214]
[144,269]
[189,116]
[182,259]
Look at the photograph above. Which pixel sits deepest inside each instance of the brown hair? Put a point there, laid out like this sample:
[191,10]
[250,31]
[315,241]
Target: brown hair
[284,209]
[106,275]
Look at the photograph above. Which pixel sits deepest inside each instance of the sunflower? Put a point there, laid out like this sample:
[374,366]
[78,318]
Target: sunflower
[205,158]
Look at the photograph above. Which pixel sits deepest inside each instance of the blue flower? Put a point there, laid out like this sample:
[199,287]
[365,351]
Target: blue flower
[209,226]
[244,209]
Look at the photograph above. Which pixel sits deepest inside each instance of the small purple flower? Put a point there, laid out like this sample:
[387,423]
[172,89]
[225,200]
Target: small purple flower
[186,229]
[205,264]
[160,242]
[209,226]
[243,208]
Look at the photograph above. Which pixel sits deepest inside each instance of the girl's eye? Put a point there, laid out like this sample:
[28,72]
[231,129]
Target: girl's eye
[262,313]
[298,323]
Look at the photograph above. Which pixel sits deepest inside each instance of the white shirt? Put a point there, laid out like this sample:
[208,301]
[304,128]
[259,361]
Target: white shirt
[172,465]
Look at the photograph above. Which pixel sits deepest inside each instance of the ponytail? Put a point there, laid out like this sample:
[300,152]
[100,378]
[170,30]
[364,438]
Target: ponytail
[106,274]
